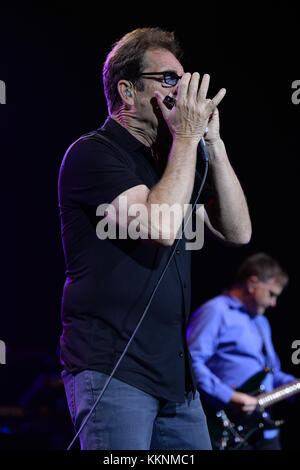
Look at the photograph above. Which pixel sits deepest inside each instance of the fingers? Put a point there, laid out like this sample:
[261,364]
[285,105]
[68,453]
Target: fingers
[193,85]
[191,101]
[218,98]
[248,409]
[160,101]
[189,85]
[203,87]
[183,86]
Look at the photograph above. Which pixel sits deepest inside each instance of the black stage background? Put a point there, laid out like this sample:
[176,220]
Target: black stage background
[51,60]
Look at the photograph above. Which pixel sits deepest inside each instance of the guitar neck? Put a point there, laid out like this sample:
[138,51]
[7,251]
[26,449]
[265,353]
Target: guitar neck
[278,394]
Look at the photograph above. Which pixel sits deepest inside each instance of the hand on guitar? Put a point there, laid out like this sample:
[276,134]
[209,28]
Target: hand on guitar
[243,403]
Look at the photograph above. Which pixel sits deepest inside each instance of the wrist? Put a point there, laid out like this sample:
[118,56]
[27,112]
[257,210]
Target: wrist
[214,143]
[186,142]
[216,150]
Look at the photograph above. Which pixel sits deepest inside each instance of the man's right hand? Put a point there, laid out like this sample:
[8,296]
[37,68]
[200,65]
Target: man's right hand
[188,119]
[243,403]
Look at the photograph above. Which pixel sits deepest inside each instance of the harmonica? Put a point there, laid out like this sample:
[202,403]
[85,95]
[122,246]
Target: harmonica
[169,102]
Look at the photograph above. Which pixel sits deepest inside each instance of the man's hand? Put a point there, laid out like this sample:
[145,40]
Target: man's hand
[188,119]
[213,129]
[243,403]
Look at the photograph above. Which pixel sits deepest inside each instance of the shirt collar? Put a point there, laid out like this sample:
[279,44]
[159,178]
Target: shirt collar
[236,304]
[123,137]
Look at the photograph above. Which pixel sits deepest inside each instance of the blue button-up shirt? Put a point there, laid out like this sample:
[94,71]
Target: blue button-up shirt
[227,347]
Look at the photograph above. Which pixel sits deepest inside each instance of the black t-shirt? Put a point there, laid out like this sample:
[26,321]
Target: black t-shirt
[109,282]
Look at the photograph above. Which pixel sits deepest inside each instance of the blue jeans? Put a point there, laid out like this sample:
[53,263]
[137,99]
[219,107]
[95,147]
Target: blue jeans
[127,418]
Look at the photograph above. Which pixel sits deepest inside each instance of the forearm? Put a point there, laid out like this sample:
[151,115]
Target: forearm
[229,213]
[151,209]
[174,189]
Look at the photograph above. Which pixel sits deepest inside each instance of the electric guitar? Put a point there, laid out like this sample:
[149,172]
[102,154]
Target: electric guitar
[231,431]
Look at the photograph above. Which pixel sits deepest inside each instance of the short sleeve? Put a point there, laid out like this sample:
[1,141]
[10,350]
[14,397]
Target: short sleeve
[93,173]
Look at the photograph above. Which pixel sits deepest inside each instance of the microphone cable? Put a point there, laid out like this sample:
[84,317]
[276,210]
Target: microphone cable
[206,160]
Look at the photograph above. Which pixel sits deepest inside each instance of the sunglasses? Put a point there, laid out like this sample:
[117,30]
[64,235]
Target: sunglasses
[170,78]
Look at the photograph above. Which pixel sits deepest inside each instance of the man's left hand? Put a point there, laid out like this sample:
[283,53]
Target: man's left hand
[213,133]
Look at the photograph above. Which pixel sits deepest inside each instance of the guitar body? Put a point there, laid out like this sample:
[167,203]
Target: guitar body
[253,385]
[231,431]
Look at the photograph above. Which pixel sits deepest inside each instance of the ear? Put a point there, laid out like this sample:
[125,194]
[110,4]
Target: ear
[126,92]
[251,283]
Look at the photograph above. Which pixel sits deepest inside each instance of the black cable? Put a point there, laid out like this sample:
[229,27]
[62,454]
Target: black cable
[205,157]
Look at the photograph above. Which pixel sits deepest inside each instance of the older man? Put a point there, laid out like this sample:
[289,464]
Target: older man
[151,401]
[230,341]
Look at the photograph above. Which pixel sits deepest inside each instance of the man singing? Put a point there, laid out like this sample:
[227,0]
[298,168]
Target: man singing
[151,402]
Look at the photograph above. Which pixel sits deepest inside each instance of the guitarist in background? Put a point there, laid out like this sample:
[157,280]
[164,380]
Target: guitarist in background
[229,339]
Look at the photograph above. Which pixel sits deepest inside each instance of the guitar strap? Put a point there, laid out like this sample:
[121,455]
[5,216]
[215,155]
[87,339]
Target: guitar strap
[268,362]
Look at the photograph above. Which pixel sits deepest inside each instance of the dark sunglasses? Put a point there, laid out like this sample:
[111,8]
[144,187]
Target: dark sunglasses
[170,78]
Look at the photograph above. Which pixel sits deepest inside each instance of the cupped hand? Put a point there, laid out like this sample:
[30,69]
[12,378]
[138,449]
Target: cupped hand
[189,118]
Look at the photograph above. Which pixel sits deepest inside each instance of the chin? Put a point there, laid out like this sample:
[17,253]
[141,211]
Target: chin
[260,311]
